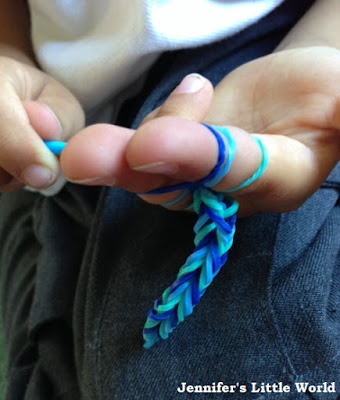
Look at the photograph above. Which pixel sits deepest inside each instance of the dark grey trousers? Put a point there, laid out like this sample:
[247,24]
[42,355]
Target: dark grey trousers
[80,270]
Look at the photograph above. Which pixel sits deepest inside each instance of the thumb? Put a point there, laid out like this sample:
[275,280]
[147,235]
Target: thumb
[56,114]
[33,107]
[191,100]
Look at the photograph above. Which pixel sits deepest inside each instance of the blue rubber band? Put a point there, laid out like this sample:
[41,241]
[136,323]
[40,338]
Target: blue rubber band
[214,234]
[225,167]
[55,146]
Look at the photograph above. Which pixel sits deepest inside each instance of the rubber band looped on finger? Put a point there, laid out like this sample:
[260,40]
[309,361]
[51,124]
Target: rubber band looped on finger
[214,235]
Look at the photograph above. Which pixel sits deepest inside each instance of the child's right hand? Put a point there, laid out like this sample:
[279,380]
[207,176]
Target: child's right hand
[33,106]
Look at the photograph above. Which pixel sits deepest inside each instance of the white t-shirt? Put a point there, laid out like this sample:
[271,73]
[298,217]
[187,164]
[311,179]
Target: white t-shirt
[96,48]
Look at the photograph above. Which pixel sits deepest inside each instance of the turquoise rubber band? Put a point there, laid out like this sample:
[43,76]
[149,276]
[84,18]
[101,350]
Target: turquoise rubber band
[259,171]
[55,146]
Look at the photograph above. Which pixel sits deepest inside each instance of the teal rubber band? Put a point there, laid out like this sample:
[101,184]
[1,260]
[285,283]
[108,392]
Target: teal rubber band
[176,200]
[55,147]
[259,171]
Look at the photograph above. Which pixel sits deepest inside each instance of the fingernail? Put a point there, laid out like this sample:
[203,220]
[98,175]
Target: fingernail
[37,176]
[159,167]
[95,181]
[59,127]
[190,84]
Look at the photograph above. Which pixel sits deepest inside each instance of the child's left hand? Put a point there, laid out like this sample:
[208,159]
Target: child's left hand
[290,98]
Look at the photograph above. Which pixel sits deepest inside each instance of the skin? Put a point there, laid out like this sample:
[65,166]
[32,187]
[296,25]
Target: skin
[300,130]
[289,98]
[33,106]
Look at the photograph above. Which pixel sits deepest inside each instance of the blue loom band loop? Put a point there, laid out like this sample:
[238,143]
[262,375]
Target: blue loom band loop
[225,167]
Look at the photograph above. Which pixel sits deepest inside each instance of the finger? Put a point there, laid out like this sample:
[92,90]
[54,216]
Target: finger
[186,151]
[96,156]
[63,107]
[7,182]
[190,99]
[163,151]
[294,172]
[169,150]
[23,154]
[43,120]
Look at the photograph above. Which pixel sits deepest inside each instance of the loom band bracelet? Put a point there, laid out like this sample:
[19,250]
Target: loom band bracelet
[214,235]
[55,147]
[193,278]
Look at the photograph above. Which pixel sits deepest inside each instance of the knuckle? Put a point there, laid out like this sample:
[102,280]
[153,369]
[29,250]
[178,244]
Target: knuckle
[171,109]
[66,106]
[7,182]
[13,76]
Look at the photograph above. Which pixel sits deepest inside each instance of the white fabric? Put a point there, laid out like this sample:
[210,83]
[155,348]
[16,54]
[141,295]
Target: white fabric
[98,47]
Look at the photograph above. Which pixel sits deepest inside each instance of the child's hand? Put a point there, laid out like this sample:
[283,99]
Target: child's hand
[291,99]
[33,107]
